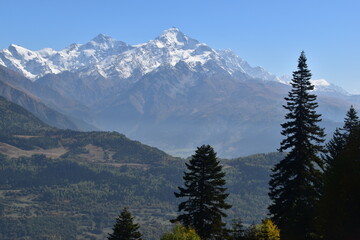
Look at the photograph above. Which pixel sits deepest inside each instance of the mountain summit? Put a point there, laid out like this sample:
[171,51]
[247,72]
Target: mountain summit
[174,37]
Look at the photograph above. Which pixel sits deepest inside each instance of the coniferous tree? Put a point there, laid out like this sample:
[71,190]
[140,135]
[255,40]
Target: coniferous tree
[340,137]
[205,195]
[340,204]
[334,147]
[237,230]
[251,232]
[351,121]
[125,228]
[295,185]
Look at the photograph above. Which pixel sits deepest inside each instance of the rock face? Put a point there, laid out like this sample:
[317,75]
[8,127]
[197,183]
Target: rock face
[172,92]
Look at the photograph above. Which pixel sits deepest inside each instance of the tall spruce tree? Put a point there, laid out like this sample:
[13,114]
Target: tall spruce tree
[334,147]
[205,195]
[339,207]
[340,204]
[295,185]
[341,135]
[351,122]
[125,228]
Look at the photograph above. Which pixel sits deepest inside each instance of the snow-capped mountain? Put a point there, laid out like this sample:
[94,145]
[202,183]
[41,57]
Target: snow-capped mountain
[172,92]
[111,58]
[323,86]
[35,64]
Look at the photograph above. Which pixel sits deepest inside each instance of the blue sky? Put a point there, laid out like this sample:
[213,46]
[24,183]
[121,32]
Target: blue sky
[266,33]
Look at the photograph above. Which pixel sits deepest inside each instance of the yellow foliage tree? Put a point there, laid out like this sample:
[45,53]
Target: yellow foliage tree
[181,233]
[267,230]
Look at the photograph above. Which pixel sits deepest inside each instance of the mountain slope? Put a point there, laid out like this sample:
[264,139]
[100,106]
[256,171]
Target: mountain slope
[36,99]
[16,120]
[81,180]
[34,105]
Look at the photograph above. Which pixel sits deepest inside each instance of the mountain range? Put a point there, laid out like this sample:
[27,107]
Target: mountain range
[172,92]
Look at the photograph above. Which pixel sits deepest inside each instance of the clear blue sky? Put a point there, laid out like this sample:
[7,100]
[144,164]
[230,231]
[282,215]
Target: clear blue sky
[267,33]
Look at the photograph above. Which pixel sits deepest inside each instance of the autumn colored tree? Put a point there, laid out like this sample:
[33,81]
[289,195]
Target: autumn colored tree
[267,230]
[181,233]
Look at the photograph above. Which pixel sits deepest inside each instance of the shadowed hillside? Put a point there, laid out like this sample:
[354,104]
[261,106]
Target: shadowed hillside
[73,184]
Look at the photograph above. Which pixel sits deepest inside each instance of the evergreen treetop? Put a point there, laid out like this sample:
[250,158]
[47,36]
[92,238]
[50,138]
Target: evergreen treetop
[351,121]
[205,195]
[295,185]
[334,146]
[341,135]
[125,228]
[237,230]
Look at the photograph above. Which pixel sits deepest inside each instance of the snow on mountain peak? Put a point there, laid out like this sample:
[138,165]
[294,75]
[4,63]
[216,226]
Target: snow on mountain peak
[20,52]
[322,85]
[174,37]
[320,82]
[103,43]
[116,59]
[101,38]
[47,52]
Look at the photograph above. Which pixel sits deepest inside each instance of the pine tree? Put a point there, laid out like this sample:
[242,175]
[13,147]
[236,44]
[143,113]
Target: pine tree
[295,185]
[335,146]
[237,230]
[125,228]
[340,204]
[251,232]
[351,121]
[205,195]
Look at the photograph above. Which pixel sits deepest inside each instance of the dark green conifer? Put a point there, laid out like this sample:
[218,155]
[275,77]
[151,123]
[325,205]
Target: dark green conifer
[237,230]
[334,146]
[340,204]
[340,137]
[125,228]
[205,195]
[295,185]
[251,233]
[351,121]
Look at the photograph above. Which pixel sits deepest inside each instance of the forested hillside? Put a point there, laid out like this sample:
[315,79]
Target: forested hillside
[73,184]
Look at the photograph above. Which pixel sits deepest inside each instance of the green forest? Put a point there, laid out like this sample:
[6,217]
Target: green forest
[74,184]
